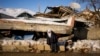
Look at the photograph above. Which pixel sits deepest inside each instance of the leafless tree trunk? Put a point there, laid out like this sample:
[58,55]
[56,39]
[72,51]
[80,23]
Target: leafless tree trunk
[95,4]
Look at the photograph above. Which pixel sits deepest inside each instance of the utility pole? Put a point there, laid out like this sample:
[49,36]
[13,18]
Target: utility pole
[39,8]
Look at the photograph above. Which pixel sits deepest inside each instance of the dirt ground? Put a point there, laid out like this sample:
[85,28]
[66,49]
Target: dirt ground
[47,54]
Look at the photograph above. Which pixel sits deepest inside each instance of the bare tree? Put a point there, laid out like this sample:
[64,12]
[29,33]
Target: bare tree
[95,4]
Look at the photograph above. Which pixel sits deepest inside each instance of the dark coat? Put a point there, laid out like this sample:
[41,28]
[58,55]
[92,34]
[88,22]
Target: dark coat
[52,39]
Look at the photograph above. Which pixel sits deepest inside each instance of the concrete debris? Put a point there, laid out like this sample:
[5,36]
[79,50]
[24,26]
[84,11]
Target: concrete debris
[86,46]
[21,46]
[56,12]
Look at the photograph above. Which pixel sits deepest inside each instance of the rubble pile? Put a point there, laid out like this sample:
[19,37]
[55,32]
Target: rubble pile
[86,46]
[21,46]
[56,12]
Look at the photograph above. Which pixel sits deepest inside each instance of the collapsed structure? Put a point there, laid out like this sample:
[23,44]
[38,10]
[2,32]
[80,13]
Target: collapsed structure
[56,12]
[61,20]
[54,20]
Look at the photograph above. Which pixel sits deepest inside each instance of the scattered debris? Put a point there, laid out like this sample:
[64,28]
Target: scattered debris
[56,12]
[86,46]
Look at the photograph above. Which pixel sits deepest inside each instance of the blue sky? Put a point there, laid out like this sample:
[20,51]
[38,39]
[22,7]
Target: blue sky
[34,4]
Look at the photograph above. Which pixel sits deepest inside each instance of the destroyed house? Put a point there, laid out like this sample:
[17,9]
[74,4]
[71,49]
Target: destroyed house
[15,13]
[25,14]
[54,19]
[86,13]
[2,15]
[56,12]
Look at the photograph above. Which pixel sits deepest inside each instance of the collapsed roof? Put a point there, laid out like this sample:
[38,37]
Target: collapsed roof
[56,12]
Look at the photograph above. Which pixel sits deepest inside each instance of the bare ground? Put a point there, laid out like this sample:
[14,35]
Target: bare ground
[47,54]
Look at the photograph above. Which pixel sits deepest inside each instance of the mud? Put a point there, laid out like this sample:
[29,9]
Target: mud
[47,54]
